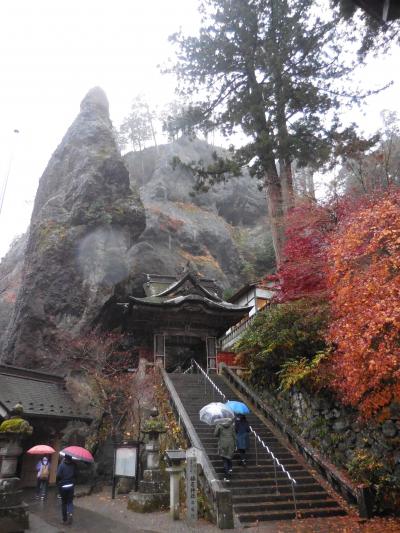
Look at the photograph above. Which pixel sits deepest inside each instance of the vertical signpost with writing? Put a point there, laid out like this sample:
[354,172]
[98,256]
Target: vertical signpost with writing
[191,484]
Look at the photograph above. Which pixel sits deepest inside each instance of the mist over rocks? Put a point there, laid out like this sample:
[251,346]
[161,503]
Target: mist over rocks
[85,218]
[97,230]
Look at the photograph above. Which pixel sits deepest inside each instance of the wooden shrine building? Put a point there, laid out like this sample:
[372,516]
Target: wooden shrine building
[179,319]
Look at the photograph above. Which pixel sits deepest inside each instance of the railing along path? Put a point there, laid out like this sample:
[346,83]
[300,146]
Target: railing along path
[257,437]
[219,497]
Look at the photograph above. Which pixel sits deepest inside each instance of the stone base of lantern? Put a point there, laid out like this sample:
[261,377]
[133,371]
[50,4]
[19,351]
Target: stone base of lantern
[153,494]
[14,516]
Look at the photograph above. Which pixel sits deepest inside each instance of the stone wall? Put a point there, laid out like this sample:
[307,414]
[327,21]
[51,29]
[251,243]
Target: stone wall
[342,437]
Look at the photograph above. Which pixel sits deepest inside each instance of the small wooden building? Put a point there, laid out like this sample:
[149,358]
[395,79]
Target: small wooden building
[47,406]
[179,319]
[257,296]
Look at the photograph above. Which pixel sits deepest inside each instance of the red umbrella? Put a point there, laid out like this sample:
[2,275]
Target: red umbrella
[41,449]
[78,453]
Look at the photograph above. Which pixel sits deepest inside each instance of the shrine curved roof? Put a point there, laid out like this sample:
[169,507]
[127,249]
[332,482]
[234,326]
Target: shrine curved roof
[196,282]
[181,300]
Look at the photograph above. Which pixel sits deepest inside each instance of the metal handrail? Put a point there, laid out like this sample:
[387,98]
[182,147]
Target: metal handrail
[275,460]
[221,501]
[208,378]
[189,368]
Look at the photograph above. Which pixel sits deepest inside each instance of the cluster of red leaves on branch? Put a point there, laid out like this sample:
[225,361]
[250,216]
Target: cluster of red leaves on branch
[99,352]
[364,284]
[302,273]
[114,391]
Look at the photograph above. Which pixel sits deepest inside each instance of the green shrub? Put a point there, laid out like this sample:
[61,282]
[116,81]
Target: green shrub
[16,425]
[286,332]
[154,424]
[303,371]
[366,468]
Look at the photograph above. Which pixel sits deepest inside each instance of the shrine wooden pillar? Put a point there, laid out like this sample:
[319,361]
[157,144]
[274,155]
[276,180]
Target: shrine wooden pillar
[211,345]
[159,349]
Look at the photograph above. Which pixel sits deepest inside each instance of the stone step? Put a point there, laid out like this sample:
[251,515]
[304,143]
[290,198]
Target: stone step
[241,490]
[252,518]
[251,466]
[208,440]
[269,481]
[283,458]
[251,453]
[254,486]
[287,496]
[256,471]
[266,505]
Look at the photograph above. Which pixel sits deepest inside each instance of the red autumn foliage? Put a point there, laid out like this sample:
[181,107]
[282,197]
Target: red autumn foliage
[115,393]
[302,273]
[364,284]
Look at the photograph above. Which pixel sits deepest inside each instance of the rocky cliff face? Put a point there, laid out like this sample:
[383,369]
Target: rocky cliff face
[84,220]
[10,280]
[92,240]
[223,232]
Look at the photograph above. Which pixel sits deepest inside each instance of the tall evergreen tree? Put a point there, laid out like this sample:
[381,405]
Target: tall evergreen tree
[272,68]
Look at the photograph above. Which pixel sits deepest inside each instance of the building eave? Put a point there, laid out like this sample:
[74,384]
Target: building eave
[181,301]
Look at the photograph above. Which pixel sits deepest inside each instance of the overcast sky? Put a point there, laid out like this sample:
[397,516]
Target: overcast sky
[53,51]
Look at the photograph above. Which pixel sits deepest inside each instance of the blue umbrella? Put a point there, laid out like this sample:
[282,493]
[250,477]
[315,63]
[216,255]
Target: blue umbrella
[239,408]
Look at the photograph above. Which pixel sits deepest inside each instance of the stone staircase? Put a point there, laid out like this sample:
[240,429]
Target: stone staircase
[256,494]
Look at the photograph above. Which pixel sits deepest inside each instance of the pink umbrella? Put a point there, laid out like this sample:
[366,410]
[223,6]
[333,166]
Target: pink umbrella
[78,453]
[41,449]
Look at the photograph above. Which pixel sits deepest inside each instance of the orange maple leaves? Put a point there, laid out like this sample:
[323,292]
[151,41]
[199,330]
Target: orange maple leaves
[364,282]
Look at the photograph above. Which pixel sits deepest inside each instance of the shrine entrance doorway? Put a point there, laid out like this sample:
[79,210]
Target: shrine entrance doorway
[177,350]
[180,350]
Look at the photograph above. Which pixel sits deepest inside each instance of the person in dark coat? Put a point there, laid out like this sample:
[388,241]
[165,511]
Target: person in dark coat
[225,431]
[242,429]
[66,483]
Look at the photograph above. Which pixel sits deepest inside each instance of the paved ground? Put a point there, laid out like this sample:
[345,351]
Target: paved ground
[98,513]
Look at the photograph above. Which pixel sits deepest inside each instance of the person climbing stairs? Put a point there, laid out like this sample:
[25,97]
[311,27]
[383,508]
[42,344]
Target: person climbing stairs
[260,490]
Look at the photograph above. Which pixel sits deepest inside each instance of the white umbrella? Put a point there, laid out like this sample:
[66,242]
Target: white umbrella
[215,412]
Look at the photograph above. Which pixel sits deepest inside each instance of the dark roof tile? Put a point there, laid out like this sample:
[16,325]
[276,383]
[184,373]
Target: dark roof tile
[38,396]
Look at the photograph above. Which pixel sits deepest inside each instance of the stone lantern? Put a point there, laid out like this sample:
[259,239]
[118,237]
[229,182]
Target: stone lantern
[13,512]
[152,493]
[153,428]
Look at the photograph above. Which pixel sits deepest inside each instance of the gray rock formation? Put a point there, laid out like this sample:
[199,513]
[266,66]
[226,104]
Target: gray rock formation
[91,241]
[10,280]
[219,232]
[84,220]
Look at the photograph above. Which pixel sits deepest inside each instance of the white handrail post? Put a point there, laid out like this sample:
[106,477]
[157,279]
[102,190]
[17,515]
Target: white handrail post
[276,480]
[294,498]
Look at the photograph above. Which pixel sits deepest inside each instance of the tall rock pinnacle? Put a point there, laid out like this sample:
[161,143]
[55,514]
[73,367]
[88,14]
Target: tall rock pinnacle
[84,220]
